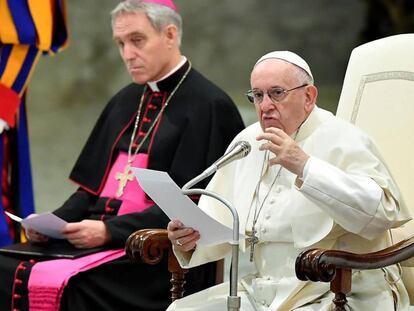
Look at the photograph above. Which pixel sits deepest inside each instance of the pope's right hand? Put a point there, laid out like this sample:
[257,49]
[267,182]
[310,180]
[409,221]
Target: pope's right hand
[183,238]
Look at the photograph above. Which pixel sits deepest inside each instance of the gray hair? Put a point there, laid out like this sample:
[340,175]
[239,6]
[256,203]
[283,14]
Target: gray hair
[302,76]
[158,15]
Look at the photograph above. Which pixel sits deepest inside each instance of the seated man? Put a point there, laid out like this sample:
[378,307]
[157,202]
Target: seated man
[311,180]
[171,119]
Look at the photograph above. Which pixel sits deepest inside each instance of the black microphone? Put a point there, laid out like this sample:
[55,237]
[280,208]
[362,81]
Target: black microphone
[239,150]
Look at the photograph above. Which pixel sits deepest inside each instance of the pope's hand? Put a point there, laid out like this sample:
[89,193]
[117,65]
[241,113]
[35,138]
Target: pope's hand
[183,238]
[287,152]
[87,233]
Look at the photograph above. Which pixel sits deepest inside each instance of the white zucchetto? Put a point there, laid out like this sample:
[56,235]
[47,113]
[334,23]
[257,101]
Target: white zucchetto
[288,56]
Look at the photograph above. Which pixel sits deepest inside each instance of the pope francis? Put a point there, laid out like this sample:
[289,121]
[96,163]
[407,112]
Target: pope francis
[311,180]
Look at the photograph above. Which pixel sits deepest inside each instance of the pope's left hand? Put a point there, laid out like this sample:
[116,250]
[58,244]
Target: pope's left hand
[287,152]
[86,233]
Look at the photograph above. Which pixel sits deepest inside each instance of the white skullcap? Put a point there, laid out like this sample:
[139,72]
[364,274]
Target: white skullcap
[289,57]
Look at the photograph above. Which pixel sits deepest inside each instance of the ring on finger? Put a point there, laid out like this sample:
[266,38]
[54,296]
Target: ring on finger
[178,243]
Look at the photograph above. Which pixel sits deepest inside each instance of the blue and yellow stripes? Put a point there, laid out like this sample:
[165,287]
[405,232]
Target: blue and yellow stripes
[28,29]
[16,65]
[23,21]
[40,23]
[8,33]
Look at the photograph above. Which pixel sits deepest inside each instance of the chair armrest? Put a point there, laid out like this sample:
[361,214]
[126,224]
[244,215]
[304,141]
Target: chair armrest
[149,246]
[321,265]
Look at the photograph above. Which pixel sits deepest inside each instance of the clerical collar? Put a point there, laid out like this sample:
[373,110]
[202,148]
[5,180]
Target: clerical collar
[310,124]
[168,81]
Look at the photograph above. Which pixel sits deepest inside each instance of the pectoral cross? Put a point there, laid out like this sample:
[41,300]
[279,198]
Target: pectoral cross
[252,240]
[123,179]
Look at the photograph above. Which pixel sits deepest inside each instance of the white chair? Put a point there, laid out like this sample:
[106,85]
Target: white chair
[378,97]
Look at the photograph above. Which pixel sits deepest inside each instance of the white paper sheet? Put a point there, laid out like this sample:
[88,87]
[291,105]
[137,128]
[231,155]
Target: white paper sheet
[167,195]
[46,223]
[14,217]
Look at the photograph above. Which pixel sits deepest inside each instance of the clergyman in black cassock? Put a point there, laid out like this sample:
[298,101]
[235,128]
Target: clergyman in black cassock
[194,131]
[188,136]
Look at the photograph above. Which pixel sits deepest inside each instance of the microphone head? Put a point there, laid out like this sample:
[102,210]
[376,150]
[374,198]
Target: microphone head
[245,147]
[239,150]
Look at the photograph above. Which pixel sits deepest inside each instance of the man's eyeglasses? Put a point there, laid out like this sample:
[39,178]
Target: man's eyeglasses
[276,94]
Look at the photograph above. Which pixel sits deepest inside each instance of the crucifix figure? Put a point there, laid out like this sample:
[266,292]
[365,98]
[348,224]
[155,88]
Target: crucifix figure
[123,179]
[252,240]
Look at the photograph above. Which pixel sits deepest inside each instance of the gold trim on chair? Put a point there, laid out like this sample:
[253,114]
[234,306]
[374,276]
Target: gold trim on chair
[375,77]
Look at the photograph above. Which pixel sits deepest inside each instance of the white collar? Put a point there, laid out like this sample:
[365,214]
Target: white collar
[153,84]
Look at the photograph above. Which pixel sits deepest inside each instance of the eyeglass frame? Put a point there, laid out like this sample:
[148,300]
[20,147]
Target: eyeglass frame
[250,97]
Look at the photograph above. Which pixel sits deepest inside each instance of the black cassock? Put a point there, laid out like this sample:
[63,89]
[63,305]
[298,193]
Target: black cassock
[193,131]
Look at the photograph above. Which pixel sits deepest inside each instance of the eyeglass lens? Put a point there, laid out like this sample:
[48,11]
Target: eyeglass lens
[276,94]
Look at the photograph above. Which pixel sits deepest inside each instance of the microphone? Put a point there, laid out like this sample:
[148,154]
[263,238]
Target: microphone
[239,150]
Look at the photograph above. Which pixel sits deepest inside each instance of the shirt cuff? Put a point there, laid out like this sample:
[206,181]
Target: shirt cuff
[299,180]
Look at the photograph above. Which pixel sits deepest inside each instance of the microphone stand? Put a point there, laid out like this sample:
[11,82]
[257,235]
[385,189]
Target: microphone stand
[233,301]
[243,149]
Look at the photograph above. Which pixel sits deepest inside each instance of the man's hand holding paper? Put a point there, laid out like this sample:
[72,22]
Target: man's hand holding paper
[184,238]
[86,233]
[41,227]
[168,196]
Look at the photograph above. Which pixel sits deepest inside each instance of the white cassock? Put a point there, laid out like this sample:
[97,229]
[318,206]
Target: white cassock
[347,201]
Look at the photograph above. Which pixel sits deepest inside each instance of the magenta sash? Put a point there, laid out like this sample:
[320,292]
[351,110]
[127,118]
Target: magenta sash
[48,279]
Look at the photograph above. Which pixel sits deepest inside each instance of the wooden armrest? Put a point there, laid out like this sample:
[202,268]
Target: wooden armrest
[149,246]
[336,266]
[320,264]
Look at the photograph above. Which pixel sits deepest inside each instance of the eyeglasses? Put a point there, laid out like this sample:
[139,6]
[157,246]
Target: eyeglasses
[276,94]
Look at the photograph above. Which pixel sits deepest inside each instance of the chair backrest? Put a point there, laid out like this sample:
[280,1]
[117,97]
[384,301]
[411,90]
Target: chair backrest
[378,97]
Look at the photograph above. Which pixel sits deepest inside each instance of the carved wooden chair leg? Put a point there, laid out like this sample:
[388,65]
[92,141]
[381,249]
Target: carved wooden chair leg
[177,276]
[340,286]
[149,246]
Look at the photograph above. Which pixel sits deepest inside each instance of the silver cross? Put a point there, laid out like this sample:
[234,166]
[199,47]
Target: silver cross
[252,240]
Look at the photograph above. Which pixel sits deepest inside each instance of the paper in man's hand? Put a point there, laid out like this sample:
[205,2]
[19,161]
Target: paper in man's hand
[46,223]
[168,196]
